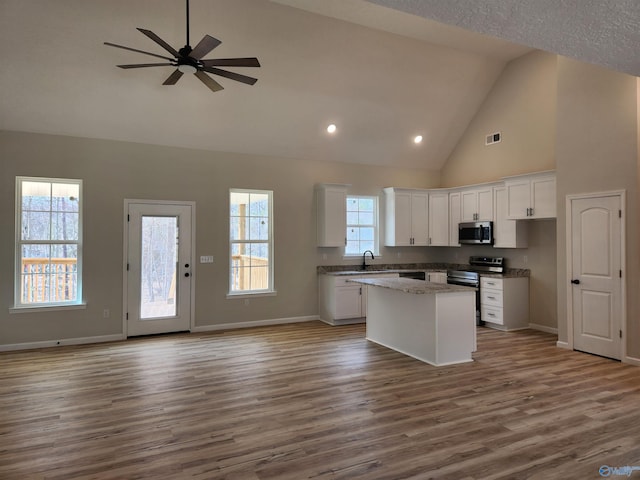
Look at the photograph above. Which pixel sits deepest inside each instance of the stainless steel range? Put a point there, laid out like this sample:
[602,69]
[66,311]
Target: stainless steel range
[470,277]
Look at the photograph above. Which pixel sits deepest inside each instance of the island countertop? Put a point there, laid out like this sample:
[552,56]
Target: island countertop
[410,285]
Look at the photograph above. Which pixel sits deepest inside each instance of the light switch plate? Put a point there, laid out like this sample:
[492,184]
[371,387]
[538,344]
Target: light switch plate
[206,259]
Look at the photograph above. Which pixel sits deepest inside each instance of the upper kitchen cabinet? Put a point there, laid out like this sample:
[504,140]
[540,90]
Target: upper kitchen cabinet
[454,218]
[439,219]
[476,204]
[506,233]
[331,214]
[406,216]
[531,196]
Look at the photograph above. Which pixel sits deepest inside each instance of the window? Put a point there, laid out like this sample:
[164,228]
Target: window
[251,241]
[48,242]
[362,225]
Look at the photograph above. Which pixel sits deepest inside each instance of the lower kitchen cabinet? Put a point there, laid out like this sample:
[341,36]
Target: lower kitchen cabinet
[342,302]
[504,302]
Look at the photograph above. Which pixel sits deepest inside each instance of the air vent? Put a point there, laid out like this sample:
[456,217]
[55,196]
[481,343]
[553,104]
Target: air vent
[493,138]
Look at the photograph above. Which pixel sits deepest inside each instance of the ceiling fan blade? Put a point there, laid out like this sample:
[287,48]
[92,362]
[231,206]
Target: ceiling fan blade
[136,50]
[142,65]
[233,76]
[173,78]
[232,62]
[203,47]
[208,81]
[160,42]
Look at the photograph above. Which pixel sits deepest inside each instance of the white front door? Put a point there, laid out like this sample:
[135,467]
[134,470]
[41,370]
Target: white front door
[596,283]
[159,273]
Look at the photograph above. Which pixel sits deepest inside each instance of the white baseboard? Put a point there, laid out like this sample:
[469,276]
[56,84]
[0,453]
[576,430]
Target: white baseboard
[631,360]
[255,323]
[61,342]
[543,328]
[564,345]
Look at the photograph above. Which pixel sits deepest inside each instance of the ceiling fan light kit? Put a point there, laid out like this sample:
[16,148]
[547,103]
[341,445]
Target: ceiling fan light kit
[189,60]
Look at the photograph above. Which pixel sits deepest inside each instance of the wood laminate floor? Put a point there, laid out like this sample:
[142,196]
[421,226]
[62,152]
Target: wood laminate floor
[310,401]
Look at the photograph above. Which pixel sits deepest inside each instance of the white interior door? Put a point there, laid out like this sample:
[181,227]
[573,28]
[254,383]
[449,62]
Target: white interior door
[596,283]
[159,275]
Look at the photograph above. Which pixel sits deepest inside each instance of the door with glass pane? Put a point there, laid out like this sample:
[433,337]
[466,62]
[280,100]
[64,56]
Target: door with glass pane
[159,268]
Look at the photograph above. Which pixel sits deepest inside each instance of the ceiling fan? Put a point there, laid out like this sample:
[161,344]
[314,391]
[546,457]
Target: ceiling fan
[189,60]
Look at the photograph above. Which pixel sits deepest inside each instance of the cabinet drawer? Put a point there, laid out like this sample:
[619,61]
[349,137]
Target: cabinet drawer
[491,297]
[491,315]
[491,282]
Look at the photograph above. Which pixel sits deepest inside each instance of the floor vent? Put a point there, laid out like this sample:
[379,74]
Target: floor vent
[493,138]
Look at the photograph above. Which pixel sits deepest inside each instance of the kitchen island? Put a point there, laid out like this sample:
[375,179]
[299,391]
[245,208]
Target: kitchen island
[432,322]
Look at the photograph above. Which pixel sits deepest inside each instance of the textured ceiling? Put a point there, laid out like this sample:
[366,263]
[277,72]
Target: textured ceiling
[381,74]
[602,32]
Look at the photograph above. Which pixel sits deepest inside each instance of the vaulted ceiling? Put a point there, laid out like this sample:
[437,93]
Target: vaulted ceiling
[381,75]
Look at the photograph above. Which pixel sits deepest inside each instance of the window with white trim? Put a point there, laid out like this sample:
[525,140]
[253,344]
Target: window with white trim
[251,241]
[362,225]
[48,268]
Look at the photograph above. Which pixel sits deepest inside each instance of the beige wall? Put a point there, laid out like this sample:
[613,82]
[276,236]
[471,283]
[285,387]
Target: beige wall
[113,171]
[597,150]
[521,106]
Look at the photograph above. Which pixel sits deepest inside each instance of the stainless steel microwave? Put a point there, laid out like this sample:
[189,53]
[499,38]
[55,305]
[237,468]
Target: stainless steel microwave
[476,233]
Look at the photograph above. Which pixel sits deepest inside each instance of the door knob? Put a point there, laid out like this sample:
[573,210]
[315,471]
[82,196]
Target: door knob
[186,274]
[186,265]
[575,281]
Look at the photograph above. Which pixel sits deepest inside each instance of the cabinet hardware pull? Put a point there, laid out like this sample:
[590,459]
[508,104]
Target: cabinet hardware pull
[491,298]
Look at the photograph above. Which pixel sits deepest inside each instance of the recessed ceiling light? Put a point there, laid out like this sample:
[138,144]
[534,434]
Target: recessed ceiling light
[331,128]
[417,139]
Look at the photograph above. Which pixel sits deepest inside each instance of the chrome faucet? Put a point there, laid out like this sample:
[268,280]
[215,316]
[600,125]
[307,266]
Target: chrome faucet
[364,257]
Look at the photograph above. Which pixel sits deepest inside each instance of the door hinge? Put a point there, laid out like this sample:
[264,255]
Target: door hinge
[127,315]
[127,266]
[620,273]
[128,218]
[620,333]
[619,213]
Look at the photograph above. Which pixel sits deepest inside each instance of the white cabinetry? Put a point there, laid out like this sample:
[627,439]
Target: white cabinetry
[342,302]
[476,204]
[531,196]
[331,215]
[439,219]
[437,277]
[406,216]
[506,233]
[504,302]
[454,218]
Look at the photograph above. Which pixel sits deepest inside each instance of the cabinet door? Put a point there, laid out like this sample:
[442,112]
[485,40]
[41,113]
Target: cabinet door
[543,197]
[403,219]
[439,219]
[398,218]
[518,199]
[420,218]
[485,204]
[454,218]
[331,214]
[507,233]
[438,277]
[348,302]
[468,205]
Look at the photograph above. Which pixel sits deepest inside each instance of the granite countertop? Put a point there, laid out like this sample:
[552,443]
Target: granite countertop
[375,272]
[341,270]
[410,285]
